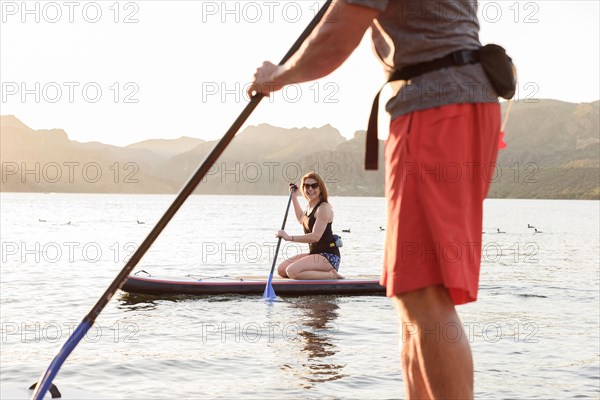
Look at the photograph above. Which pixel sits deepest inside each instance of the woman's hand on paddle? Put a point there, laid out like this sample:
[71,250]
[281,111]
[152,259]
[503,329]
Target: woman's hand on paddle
[294,188]
[264,80]
[283,235]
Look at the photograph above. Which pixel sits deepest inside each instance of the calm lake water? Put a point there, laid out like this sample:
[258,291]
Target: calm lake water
[534,331]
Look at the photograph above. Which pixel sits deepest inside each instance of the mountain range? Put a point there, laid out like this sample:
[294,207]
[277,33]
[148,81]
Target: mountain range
[553,152]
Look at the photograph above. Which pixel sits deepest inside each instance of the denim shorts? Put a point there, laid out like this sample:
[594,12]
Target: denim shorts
[333,260]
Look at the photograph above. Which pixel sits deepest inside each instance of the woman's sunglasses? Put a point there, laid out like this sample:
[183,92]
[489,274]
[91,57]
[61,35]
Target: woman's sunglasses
[311,186]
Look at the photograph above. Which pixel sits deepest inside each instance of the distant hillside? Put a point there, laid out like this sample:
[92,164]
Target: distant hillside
[47,161]
[167,147]
[343,168]
[553,152]
[552,133]
[260,160]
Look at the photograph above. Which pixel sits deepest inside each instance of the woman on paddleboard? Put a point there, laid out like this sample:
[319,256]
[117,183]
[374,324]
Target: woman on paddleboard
[323,259]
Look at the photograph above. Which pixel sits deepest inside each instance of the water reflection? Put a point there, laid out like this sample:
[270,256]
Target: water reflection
[136,302]
[317,336]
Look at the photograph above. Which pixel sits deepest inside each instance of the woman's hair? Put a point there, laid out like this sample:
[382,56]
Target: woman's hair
[316,177]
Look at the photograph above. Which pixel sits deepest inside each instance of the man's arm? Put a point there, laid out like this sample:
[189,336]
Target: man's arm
[331,43]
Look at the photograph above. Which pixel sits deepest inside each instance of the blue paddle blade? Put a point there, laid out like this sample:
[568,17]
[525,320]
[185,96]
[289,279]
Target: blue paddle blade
[45,381]
[269,293]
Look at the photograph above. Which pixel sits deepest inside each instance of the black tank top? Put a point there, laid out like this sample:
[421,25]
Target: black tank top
[326,244]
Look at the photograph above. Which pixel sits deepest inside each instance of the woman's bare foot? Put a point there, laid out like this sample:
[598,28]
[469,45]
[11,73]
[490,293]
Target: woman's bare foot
[335,275]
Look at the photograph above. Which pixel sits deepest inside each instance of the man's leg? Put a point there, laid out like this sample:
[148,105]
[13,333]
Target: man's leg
[436,352]
[427,214]
[414,383]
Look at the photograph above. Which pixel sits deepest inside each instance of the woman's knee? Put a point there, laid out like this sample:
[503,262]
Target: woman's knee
[296,268]
[281,270]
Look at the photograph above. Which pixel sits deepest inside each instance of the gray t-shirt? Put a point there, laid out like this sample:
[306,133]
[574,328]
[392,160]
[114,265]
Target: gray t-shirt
[415,31]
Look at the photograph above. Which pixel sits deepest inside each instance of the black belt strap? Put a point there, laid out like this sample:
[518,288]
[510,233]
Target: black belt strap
[457,58]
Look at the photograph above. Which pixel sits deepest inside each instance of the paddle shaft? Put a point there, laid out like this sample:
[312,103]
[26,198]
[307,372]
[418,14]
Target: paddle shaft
[190,186]
[287,210]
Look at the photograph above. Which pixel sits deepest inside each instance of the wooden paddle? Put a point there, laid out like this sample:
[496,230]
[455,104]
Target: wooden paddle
[46,379]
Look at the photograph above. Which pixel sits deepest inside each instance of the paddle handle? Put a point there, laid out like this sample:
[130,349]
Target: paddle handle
[47,377]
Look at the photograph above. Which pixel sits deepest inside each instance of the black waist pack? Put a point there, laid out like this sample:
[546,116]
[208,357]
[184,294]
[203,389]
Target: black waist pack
[499,68]
[338,240]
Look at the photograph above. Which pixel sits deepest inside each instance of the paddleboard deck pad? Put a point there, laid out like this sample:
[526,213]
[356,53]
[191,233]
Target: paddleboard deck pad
[252,285]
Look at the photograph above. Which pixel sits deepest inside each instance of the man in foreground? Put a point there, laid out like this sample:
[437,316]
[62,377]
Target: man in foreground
[443,138]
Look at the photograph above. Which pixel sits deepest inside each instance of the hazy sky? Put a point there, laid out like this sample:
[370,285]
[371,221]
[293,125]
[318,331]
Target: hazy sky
[122,72]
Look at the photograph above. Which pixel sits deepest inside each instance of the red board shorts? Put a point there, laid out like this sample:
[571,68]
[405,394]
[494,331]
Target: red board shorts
[439,164]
